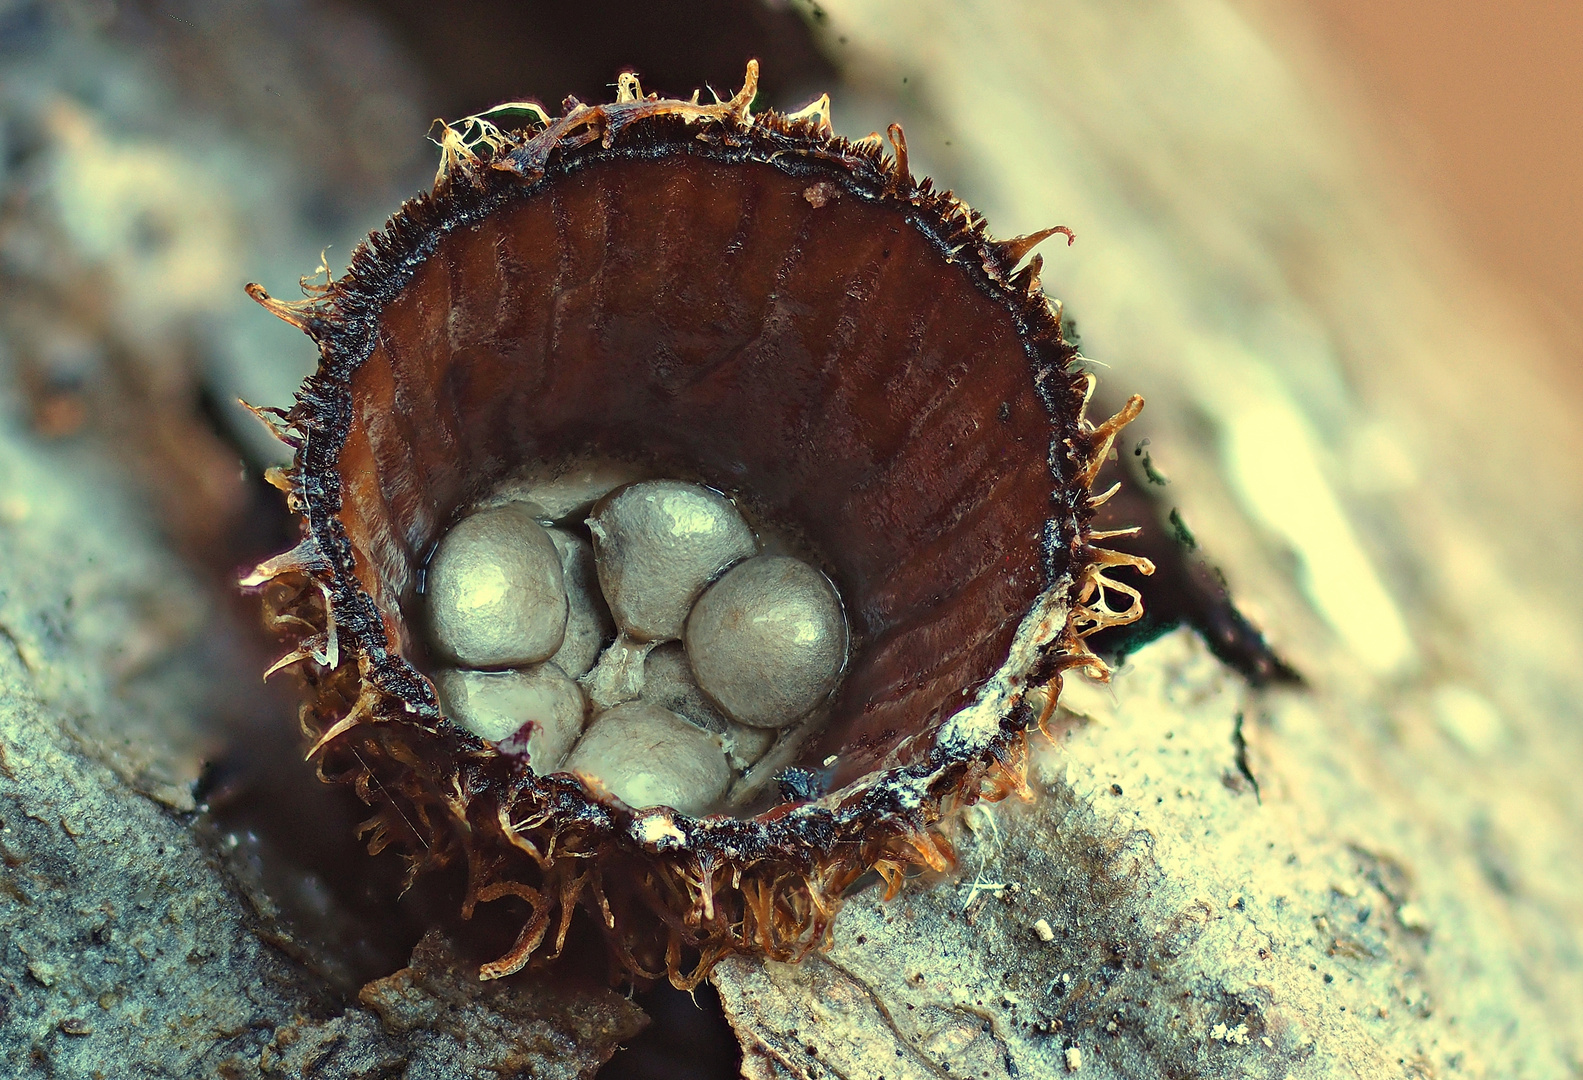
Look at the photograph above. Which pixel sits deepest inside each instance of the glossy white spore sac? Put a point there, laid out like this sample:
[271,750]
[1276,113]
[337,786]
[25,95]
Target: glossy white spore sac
[536,712]
[768,640]
[668,681]
[646,756]
[496,596]
[658,545]
[588,622]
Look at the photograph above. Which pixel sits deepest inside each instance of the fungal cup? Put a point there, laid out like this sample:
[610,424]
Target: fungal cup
[691,293]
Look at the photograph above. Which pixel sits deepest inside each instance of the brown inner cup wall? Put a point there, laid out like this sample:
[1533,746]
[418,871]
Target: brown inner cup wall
[824,360]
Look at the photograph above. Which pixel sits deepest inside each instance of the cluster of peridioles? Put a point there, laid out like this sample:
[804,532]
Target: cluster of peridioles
[661,654]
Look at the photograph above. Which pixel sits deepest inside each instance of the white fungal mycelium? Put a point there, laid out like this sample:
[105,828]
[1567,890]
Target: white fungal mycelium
[767,642]
[496,595]
[618,677]
[659,543]
[646,756]
[588,623]
[536,712]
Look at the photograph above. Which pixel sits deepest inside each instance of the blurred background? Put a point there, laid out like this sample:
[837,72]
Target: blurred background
[158,154]
[1358,222]
[1479,105]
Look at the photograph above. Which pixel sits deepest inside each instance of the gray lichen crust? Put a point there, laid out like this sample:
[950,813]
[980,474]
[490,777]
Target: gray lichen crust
[1148,911]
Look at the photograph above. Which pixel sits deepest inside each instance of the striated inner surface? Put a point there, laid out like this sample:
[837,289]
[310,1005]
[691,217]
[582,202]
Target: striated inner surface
[778,335]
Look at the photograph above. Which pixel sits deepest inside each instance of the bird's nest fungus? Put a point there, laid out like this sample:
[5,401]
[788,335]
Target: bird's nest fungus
[759,308]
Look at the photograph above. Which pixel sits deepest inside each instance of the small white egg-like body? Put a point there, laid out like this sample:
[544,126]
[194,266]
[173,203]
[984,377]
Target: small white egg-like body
[588,623]
[668,681]
[768,640]
[535,712]
[744,745]
[658,544]
[565,493]
[646,756]
[495,593]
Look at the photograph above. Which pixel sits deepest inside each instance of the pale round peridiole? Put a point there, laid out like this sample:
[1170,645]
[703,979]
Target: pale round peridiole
[658,545]
[646,756]
[768,640]
[535,712]
[588,623]
[496,596]
[668,681]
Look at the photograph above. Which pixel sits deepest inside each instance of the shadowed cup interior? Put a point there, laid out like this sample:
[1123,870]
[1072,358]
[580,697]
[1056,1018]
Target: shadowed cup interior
[771,331]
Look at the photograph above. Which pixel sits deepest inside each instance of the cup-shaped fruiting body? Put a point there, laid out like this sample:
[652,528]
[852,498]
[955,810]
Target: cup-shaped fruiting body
[768,640]
[588,624]
[748,302]
[496,596]
[646,755]
[659,544]
[535,713]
